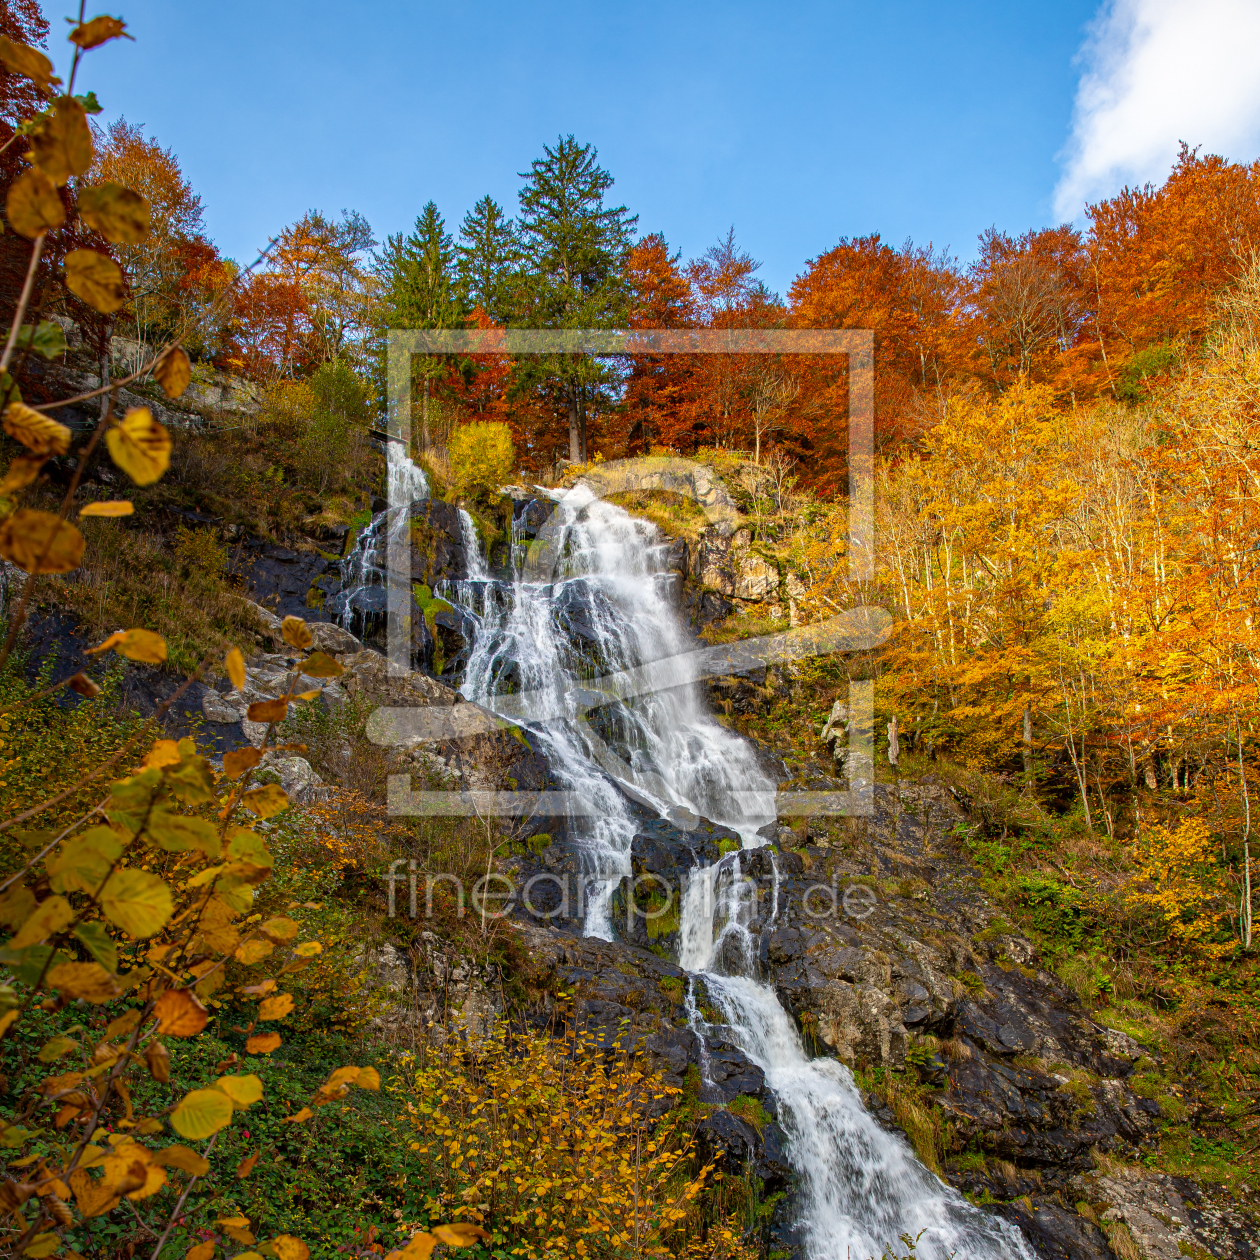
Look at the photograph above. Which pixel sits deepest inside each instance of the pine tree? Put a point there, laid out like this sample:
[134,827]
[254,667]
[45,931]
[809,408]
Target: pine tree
[418,279]
[576,248]
[488,259]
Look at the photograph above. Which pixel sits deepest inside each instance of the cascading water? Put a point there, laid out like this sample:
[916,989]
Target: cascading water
[364,574]
[474,561]
[861,1187]
[601,605]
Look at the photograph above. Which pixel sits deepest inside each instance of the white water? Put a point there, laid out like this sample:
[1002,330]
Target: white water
[364,572]
[474,561]
[861,1188]
[602,572]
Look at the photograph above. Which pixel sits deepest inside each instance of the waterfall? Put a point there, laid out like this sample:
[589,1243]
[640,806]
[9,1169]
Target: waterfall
[474,561]
[607,607]
[361,602]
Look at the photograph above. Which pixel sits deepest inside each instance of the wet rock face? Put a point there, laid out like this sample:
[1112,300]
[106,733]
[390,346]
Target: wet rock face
[279,578]
[630,996]
[867,964]
[437,543]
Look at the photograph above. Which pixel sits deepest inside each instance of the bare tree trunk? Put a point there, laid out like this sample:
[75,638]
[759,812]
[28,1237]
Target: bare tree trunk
[1244,915]
[575,430]
[424,417]
[1027,740]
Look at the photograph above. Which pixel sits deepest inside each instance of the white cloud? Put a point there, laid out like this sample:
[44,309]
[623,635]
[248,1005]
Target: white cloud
[1156,72]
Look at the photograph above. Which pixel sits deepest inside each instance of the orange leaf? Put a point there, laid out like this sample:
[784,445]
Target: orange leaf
[267,711]
[263,1043]
[276,1007]
[173,372]
[39,542]
[246,1166]
[236,762]
[180,1014]
[82,684]
[95,33]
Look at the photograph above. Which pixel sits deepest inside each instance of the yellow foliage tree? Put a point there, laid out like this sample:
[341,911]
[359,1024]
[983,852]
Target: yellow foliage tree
[1179,880]
[481,457]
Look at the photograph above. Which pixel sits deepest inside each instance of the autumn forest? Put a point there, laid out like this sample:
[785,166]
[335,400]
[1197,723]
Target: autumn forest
[1066,742]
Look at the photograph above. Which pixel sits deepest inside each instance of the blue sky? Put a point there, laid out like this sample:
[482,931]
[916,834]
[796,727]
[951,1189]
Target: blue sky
[798,124]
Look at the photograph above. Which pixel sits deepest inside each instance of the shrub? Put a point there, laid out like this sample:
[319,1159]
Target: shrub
[481,458]
[556,1148]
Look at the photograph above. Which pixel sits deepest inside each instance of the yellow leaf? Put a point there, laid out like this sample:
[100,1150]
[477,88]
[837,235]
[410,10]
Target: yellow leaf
[253,951]
[202,1251]
[289,1248]
[461,1234]
[236,762]
[7,1020]
[140,446]
[299,1117]
[137,902]
[234,662]
[84,861]
[202,1113]
[37,432]
[268,711]
[308,949]
[369,1078]
[54,1049]
[281,928]
[136,645]
[108,507]
[341,1076]
[165,752]
[52,915]
[319,665]
[296,632]
[42,1245]
[98,31]
[173,372]
[89,981]
[262,1043]
[97,280]
[266,801]
[419,1248]
[183,1158]
[242,1090]
[117,213]
[154,1180]
[22,471]
[34,205]
[39,542]
[276,1007]
[94,1197]
[61,142]
[26,61]
[179,1014]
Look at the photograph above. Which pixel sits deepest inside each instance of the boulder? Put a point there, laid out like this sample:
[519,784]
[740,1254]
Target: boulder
[332,639]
